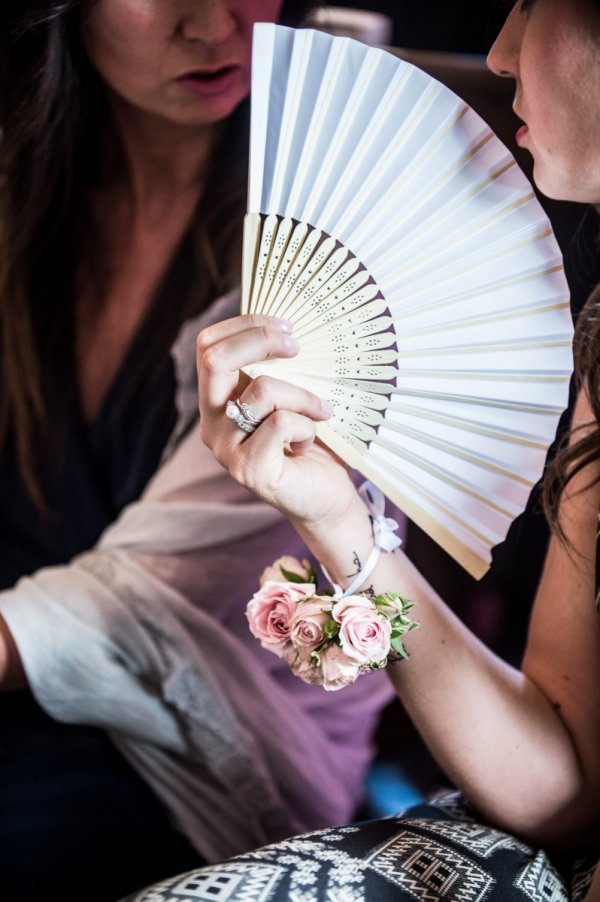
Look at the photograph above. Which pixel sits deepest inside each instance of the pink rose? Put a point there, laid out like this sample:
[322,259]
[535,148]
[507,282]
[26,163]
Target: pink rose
[306,627]
[288,653]
[270,611]
[364,633]
[291,564]
[337,670]
[304,666]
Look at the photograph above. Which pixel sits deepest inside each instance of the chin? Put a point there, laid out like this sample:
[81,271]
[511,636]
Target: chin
[549,185]
[560,186]
[204,120]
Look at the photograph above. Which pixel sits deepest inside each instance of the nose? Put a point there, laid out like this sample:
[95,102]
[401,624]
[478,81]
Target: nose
[503,58]
[209,21]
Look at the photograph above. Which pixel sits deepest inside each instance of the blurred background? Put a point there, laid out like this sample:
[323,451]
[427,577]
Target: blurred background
[462,26]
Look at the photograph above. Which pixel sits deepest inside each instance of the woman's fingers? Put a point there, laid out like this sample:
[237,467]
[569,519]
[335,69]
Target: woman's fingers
[236,324]
[259,462]
[265,395]
[264,403]
[283,464]
[268,440]
[232,407]
[223,349]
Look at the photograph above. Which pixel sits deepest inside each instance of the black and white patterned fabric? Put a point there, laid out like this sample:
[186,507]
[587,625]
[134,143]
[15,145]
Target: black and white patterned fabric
[435,851]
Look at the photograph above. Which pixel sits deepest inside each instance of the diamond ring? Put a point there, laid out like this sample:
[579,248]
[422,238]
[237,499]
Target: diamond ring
[242,416]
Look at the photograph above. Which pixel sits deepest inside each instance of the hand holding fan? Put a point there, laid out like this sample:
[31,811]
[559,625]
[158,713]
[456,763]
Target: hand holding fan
[397,233]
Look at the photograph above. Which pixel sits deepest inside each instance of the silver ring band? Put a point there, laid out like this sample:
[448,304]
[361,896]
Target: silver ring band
[244,425]
[248,413]
[242,416]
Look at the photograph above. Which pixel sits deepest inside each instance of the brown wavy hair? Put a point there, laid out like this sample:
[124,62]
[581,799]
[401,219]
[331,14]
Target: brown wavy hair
[572,459]
[52,113]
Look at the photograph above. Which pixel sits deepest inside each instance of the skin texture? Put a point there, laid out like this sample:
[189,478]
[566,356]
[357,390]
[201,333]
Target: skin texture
[524,745]
[167,127]
[142,48]
[557,91]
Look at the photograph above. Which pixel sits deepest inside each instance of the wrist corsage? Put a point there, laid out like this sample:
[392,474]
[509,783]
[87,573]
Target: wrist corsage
[326,639]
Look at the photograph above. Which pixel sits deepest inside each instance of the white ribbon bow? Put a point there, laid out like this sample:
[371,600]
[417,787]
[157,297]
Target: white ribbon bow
[384,528]
[384,538]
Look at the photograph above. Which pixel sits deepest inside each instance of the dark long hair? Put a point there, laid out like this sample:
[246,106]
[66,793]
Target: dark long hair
[52,112]
[571,459]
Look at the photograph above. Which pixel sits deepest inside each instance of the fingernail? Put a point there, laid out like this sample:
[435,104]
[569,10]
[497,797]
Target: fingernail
[326,407]
[291,344]
[282,325]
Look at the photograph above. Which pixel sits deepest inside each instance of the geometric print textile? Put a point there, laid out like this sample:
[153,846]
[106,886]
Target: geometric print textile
[433,852]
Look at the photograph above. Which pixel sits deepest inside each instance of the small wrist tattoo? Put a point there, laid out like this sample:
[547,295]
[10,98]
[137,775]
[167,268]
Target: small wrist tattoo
[357,564]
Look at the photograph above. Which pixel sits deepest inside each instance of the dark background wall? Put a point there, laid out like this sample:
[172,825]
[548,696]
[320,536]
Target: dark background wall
[464,26]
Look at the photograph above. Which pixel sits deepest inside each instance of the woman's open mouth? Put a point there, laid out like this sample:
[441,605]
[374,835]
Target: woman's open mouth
[205,83]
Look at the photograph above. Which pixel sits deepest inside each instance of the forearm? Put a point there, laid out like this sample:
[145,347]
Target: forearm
[523,747]
[492,731]
[497,736]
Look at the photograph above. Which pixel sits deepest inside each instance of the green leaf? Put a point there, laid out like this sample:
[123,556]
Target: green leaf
[394,601]
[386,600]
[295,577]
[401,624]
[398,647]
[331,629]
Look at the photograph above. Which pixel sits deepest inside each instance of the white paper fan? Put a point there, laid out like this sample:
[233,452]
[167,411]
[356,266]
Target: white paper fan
[392,227]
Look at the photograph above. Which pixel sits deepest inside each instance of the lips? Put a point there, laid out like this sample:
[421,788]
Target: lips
[206,82]
[522,133]
[523,129]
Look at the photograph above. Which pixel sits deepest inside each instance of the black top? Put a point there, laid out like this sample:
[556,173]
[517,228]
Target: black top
[76,822]
[94,472]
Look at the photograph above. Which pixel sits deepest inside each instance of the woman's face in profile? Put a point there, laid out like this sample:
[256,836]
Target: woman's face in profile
[186,62]
[552,50]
